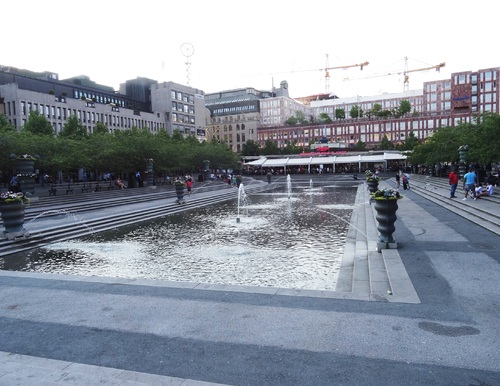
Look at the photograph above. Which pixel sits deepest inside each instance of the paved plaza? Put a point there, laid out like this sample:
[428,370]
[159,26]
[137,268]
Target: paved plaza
[438,324]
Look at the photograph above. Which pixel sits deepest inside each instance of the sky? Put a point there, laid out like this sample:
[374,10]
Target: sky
[255,43]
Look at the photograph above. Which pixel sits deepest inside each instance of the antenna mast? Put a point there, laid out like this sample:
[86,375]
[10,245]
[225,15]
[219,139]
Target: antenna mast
[187,50]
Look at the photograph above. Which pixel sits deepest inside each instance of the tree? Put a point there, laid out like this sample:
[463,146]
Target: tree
[356,112]
[404,107]
[325,118]
[177,136]
[482,138]
[5,124]
[385,144]
[301,119]
[270,148]
[384,113]
[292,148]
[38,124]
[410,142]
[339,113]
[376,109]
[73,128]
[444,143]
[250,147]
[100,128]
[291,121]
[360,145]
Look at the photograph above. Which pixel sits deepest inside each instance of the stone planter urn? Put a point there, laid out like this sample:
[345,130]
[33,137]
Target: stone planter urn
[179,191]
[12,214]
[372,185]
[386,217]
[385,202]
[26,174]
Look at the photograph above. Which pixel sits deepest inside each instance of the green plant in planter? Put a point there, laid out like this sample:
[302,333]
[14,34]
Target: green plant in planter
[10,197]
[370,176]
[179,183]
[386,194]
[27,156]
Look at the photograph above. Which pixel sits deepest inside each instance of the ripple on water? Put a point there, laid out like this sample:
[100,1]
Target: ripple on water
[297,245]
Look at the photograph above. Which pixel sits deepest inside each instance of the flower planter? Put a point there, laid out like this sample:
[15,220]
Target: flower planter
[372,186]
[179,191]
[26,174]
[12,214]
[386,217]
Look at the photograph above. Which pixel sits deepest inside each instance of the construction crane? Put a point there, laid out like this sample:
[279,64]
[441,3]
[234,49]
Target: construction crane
[405,73]
[326,70]
[327,73]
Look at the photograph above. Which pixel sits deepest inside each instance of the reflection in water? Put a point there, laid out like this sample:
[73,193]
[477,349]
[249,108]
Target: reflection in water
[290,243]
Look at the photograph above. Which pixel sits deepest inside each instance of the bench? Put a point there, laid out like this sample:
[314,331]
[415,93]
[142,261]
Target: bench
[52,190]
[110,185]
[86,187]
[69,189]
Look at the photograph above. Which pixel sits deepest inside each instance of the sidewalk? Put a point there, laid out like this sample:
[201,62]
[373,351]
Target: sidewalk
[91,330]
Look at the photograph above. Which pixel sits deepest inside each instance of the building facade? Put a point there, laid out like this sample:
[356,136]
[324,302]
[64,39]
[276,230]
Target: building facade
[237,116]
[440,103]
[234,116]
[181,107]
[140,103]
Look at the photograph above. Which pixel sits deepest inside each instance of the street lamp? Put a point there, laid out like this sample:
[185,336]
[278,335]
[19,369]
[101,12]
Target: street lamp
[462,152]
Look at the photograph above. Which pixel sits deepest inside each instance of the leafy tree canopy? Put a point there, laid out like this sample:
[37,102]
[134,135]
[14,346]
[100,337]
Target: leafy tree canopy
[339,113]
[385,144]
[250,147]
[73,128]
[38,124]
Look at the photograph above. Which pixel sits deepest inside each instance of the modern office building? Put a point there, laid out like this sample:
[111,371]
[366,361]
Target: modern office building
[141,103]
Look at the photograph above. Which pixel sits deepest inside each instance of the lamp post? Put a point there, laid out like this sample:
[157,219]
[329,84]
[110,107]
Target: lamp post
[206,170]
[462,152]
[149,172]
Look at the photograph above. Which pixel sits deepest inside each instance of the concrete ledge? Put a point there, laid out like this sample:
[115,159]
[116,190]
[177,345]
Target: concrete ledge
[401,285]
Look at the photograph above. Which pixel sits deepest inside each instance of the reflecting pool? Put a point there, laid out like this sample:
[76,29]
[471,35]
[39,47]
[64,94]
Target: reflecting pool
[282,240]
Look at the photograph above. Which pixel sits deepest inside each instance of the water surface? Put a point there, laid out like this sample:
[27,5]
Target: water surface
[281,240]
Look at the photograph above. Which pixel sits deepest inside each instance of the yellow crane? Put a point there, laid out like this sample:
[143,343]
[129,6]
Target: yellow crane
[326,70]
[405,73]
[327,73]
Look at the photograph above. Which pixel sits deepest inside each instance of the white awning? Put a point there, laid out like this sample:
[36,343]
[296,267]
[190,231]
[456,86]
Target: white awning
[299,161]
[328,160]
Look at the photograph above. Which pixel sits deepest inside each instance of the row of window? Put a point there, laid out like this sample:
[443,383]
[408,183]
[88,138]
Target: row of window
[182,108]
[236,109]
[393,130]
[183,118]
[472,78]
[188,130]
[63,113]
[103,99]
[184,97]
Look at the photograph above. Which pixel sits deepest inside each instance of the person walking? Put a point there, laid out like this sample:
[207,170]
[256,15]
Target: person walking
[453,179]
[406,181]
[398,180]
[470,184]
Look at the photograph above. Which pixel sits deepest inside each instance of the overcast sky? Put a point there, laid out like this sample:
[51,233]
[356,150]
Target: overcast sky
[254,43]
